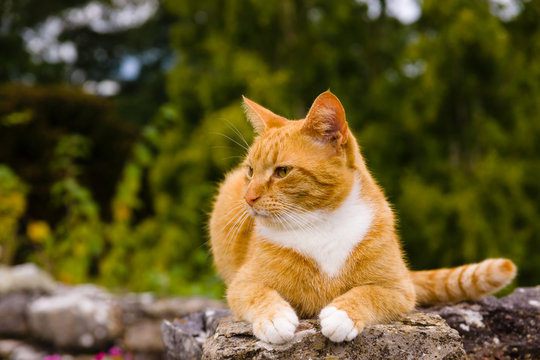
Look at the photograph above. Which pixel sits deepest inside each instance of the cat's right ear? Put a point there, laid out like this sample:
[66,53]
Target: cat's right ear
[260,117]
[325,120]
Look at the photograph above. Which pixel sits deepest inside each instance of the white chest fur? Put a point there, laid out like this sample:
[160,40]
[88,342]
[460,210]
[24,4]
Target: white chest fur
[326,237]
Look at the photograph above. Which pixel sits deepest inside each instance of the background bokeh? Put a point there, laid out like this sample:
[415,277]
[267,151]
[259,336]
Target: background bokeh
[118,118]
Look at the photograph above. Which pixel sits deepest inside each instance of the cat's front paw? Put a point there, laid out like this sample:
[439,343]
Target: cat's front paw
[277,329]
[336,325]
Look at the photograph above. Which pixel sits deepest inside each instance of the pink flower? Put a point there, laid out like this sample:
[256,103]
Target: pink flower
[100,356]
[53,357]
[115,351]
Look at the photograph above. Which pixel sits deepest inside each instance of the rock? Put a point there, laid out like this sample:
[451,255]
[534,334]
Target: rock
[184,337]
[142,316]
[83,317]
[212,318]
[7,347]
[180,338]
[13,313]
[27,352]
[170,308]
[492,328]
[417,336]
[25,277]
[17,350]
[144,336]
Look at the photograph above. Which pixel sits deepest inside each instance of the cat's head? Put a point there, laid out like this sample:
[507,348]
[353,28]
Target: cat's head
[295,167]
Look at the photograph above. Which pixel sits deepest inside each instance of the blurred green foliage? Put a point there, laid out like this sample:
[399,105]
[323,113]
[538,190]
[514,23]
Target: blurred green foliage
[12,206]
[446,110]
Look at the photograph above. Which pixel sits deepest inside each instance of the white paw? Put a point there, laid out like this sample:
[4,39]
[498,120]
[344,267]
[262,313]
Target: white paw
[336,325]
[277,330]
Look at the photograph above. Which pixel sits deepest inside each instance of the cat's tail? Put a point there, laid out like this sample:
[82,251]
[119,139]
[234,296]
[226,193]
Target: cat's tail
[467,282]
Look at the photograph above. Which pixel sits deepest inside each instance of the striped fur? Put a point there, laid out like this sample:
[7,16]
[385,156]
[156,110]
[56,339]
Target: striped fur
[463,282]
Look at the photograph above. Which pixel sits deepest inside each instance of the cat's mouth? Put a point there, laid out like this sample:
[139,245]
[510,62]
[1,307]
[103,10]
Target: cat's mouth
[258,213]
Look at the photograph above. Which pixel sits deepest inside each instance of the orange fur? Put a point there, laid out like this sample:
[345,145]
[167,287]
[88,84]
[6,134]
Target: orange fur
[268,284]
[463,282]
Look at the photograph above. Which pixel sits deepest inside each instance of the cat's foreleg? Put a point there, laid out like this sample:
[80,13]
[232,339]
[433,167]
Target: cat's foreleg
[347,315]
[273,319]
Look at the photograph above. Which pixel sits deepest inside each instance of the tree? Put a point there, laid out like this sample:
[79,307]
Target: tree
[467,158]
[437,107]
[445,111]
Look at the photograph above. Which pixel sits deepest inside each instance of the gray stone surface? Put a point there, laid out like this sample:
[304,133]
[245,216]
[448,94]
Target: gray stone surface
[142,315]
[13,313]
[212,318]
[25,277]
[48,317]
[83,317]
[144,336]
[170,308]
[184,337]
[417,336]
[18,350]
[180,338]
[491,328]
[83,320]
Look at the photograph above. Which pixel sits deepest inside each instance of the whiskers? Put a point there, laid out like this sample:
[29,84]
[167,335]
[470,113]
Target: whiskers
[241,141]
[239,216]
[246,148]
[295,218]
[290,217]
[237,132]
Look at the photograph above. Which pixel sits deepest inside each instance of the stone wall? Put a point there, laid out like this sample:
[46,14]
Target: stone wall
[42,319]
[491,328]
[418,336]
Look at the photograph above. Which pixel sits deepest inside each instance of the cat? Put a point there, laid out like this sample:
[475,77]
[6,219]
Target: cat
[301,229]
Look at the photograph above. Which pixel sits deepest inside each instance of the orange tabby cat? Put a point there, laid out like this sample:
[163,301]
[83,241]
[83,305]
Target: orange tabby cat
[301,229]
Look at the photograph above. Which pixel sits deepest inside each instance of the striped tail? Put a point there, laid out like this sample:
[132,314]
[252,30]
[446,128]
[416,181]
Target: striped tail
[467,282]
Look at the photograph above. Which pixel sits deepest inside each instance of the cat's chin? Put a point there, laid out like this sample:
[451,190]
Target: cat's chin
[263,218]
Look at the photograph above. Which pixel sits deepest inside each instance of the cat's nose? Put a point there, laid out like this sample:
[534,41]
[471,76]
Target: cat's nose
[251,197]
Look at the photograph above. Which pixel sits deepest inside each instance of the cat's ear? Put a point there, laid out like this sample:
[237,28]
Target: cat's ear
[260,117]
[326,120]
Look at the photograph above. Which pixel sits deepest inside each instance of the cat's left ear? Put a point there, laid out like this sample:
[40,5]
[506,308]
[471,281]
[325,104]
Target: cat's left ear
[260,117]
[326,120]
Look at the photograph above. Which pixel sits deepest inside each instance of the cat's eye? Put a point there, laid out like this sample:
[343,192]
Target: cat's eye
[249,171]
[282,171]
